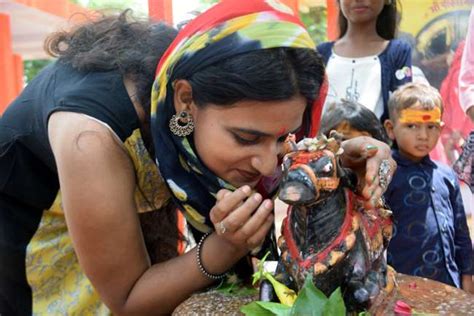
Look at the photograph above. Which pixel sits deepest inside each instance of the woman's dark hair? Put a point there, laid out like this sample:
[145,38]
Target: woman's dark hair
[387,21]
[122,42]
[356,115]
[262,75]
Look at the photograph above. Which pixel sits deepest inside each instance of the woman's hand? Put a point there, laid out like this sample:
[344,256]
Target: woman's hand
[241,218]
[366,156]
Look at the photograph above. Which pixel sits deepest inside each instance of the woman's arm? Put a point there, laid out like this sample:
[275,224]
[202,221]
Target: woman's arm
[97,182]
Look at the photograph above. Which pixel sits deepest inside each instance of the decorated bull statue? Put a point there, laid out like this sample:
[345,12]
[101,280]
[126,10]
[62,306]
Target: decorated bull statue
[327,233]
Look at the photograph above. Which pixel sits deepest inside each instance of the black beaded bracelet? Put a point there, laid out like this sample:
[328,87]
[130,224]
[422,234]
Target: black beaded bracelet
[199,262]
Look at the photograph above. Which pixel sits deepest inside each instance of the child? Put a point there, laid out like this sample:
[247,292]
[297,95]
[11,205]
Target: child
[366,63]
[352,119]
[431,237]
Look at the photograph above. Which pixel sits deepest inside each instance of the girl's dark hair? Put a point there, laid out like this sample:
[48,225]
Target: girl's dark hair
[133,47]
[123,42]
[262,75]
[387,21]
[356,115]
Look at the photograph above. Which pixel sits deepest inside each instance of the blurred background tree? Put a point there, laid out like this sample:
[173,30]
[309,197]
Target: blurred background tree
[32,67]
[315,21]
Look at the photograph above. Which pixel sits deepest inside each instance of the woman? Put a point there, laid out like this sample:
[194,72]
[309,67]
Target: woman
[366,63]
[228,90]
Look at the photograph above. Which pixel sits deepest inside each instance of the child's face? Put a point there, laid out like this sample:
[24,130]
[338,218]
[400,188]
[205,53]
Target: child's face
[348,132]
[415,130]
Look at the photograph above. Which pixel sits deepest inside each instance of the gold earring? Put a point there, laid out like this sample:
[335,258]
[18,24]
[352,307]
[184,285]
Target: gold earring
[182,125]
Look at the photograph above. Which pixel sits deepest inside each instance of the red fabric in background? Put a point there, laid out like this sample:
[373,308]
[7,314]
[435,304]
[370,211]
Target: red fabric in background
[454,118]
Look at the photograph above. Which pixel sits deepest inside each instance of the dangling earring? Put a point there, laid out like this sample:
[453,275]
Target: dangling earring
[388,2]
[182,125]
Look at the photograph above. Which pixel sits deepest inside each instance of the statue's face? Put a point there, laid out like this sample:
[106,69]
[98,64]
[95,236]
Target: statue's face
[308,177]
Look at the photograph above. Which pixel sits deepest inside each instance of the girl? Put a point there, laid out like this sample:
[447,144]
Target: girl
[352,119]
[366,63]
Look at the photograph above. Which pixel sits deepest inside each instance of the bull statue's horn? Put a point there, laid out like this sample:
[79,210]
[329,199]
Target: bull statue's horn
[322,142]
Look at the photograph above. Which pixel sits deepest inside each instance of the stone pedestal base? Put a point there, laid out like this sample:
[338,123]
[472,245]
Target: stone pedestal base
[423,296]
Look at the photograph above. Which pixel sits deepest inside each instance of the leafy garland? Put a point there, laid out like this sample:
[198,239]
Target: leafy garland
[309,301]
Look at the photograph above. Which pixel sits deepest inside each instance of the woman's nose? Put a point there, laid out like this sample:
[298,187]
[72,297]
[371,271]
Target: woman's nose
[266,160]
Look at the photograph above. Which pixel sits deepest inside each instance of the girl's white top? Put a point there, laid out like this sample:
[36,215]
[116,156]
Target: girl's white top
[355,79]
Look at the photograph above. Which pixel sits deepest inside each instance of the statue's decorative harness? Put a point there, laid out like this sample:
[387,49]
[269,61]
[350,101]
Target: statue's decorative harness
[327,233]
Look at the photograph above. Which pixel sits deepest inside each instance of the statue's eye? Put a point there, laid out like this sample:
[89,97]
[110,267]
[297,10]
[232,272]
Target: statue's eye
[327,168]
[323,167]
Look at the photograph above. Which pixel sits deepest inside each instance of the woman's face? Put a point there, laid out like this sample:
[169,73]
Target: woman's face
[242,143]
[361,11]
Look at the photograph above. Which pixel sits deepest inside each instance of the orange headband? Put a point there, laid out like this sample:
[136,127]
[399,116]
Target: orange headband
[420,116]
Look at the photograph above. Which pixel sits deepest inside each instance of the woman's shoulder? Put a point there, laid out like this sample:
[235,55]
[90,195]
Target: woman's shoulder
[86,82]
[98,94]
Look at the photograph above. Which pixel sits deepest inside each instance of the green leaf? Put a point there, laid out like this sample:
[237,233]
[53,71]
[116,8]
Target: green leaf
[254,309]
[276,308]
[310,301]
[258,275]
[233,285]
[335,305]
[259,308]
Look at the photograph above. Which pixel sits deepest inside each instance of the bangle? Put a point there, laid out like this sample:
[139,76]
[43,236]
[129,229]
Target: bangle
[199,262]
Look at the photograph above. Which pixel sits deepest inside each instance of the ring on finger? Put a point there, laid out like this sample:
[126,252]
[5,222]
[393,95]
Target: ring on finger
[384,174]
[221,227]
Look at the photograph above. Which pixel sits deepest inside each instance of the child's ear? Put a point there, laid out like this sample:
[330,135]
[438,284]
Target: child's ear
[389,129]
[442,125]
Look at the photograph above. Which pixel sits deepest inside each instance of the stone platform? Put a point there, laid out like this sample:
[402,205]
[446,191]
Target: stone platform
[423,295]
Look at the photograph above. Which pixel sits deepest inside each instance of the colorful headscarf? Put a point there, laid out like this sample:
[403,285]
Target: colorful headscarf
[229,28]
